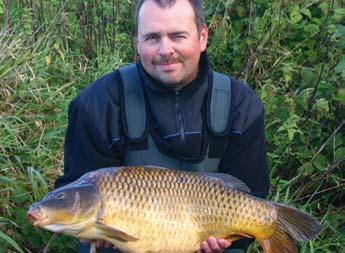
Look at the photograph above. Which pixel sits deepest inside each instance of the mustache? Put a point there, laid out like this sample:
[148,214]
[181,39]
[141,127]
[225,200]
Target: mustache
[167,59]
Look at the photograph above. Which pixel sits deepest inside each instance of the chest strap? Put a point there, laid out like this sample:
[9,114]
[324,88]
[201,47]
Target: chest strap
[135,116]
[219,105]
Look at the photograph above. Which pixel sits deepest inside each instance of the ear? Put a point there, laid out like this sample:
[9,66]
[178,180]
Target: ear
[203,37]
[136,43]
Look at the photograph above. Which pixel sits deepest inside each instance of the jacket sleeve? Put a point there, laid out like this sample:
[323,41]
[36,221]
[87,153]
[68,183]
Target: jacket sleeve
[245,158]
[85,148]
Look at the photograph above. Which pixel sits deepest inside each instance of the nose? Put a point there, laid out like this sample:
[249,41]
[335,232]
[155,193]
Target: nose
[165,47]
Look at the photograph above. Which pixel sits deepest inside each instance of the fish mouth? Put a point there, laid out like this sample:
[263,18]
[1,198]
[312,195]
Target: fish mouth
[36,216]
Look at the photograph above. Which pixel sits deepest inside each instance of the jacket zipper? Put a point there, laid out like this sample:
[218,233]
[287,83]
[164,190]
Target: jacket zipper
[179,117]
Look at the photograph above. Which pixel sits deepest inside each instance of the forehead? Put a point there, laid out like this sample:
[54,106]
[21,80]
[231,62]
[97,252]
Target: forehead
[154,18]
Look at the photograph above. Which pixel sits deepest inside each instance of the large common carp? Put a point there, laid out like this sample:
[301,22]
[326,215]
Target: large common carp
[152,209]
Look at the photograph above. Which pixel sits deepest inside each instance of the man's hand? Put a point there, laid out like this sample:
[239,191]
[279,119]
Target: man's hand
[213,245]
[99,243]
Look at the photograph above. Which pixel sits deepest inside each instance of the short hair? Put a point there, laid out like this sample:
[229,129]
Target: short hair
[196,5]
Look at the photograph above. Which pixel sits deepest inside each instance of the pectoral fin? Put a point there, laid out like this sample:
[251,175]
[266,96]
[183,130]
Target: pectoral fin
[115,233]
[93,248]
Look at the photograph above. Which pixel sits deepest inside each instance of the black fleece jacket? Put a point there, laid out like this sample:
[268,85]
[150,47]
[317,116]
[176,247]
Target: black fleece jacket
[95,137]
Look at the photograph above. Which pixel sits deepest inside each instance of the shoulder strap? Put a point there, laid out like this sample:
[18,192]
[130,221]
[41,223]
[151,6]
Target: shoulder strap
[220,105]
[134,104]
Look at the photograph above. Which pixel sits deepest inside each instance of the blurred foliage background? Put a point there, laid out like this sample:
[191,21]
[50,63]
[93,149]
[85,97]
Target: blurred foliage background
[290,52]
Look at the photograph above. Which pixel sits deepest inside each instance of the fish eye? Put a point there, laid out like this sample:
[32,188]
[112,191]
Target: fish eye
[61,197]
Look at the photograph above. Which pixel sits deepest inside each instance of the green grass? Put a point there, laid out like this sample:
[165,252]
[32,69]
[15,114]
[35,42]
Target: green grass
[292,54]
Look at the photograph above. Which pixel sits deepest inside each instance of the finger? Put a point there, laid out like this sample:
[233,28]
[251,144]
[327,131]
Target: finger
[224,243]
[108,245]
[205,248]
[84,241]
[213,244]
[100,244]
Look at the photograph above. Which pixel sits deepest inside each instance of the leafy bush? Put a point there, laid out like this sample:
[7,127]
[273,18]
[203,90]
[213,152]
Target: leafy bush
[292,53]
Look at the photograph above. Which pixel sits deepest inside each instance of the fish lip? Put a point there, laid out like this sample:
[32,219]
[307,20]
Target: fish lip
[31,217]
[36,216]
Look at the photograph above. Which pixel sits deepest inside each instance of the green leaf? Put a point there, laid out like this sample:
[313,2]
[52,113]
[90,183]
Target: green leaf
[324,7]
[340,35]
[321,162]
[10,241]
[306,169]
[340,153]
[34,240]
[340,68]
[339,140]
[306,12]
[316,21]
[1,9]
[6,180]
[38,183]
[303,97]
[240,10]
[290,126]
[295,15]
[311,28]
[338,14]
[307,74]
[340,96]
[321,106]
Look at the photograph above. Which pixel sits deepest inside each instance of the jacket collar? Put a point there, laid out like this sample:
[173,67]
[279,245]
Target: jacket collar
[190,88]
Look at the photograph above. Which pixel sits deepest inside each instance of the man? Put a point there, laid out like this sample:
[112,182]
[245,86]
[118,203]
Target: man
[176,78]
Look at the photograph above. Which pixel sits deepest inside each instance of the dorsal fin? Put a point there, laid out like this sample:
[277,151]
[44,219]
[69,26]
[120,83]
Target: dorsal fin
[229,180]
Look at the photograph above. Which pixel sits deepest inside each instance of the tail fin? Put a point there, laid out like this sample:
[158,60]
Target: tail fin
[292,225]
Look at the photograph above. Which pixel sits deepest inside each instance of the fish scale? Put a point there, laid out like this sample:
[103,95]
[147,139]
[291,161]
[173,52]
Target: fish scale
[152,209]
[174,212]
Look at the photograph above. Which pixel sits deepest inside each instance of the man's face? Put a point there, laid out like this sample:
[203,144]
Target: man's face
[168,42]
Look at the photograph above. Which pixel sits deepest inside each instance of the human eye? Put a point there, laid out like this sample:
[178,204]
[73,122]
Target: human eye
[178,37]
[151,38]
